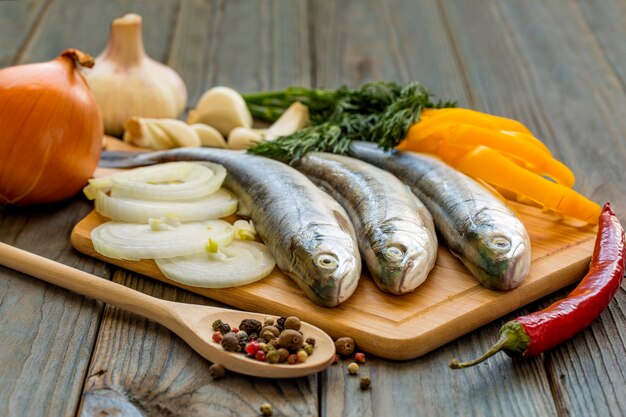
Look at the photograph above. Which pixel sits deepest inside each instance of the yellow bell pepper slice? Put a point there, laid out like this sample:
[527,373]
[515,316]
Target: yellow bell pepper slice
[473,117]
[497,170]
[467,137]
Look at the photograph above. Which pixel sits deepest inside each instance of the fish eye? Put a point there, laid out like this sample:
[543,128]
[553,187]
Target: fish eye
[327,261]
[393,253]
[501,243]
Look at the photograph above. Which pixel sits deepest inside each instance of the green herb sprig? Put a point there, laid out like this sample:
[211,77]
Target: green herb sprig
[379,111]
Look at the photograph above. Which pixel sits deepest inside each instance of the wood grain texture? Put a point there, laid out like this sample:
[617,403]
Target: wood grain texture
[47,333]
[141,368]
[18,22]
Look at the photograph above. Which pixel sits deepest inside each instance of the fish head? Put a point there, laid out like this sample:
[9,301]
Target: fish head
[326,264]
[499,253]
[401,256]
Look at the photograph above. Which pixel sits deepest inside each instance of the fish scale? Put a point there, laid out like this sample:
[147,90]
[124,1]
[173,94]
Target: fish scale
[477,226]
[308,233]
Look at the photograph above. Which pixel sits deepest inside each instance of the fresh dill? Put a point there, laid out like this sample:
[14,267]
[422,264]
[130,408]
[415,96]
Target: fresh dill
[379,111]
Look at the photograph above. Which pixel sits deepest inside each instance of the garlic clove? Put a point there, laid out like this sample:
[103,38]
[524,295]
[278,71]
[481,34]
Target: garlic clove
[244,138]
[160,133]
[293,119]
[181,134]
[209,136]
[126,82]
[223,108]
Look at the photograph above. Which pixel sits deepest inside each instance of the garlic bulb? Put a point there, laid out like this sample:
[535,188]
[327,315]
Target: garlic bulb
[160,133]
[126,82]
[293,119]
[223,108]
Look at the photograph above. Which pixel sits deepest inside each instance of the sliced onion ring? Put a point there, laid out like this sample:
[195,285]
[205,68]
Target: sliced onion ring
[131,241]
[213,206]
[245,262]
[164,182]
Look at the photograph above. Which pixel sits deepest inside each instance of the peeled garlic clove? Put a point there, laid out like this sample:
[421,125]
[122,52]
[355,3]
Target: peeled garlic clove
[160,133]
[223,108]
[293,119]
[209,136]
[127,83]
[244,138]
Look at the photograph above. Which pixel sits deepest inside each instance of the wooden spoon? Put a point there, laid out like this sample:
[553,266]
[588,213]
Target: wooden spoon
[189,321]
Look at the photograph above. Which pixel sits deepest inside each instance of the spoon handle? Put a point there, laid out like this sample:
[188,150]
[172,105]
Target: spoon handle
[84,283]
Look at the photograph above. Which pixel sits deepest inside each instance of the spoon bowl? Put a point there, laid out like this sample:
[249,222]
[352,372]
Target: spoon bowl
[192,322]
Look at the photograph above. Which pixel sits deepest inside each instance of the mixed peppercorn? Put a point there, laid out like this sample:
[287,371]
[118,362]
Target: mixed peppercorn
[273,341]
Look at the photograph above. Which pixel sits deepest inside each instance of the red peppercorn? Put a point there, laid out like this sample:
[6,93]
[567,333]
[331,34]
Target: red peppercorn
[292,359]
[336,360]
[260,356]
[359,357]
[217,337]
[252,348]
[234,330]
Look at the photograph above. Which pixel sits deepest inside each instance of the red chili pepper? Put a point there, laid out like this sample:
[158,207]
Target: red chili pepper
[535,333]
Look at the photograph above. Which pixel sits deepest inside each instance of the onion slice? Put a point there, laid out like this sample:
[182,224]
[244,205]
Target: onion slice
[214,206]
[244,262]
[165,182]
[131,241]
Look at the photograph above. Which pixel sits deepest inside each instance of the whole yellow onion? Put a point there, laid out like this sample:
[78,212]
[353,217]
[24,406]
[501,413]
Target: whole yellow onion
[52,131]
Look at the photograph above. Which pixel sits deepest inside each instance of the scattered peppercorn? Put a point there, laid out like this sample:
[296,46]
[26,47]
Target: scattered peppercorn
[292,323]
[224,328]
[359,357]
[336,359]
[282,355]
[291,339]
[365,382]
[230,342]
[250,326]
[344,346]
[260,356]
[269,321]
[272,356]
[216,325]
[353,368]
[217,371]
[292,359]
[302,356]
[310,341]
[266,410]
[217,337]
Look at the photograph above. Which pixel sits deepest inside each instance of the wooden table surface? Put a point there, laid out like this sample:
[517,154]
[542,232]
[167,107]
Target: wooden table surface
[558,66]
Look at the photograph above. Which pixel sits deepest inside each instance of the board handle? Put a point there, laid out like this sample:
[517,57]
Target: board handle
[83,283]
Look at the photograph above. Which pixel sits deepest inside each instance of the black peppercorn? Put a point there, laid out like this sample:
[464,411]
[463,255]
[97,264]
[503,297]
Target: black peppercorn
[217,371]
[283,354]
[310,341]
[280,323]
[251,326]
[224,328]
[365,382]
[230,342]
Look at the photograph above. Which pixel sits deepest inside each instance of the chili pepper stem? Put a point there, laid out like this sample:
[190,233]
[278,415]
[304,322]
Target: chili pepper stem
[513,341]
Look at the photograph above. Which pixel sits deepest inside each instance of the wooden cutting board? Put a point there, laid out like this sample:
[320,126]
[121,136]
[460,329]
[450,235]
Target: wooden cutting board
[449,304]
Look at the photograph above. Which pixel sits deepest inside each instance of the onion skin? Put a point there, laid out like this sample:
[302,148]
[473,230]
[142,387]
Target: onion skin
[52,130]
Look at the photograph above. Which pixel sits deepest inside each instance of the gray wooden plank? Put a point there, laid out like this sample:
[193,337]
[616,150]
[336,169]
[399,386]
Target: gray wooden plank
[85,26]
[560,83]
[17,20]
[404,41]
[249,46]
[140,368]
[47,333]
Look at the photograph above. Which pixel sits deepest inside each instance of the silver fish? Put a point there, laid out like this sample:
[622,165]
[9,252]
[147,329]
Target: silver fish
[308,233]
[477,226]
[395,231]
